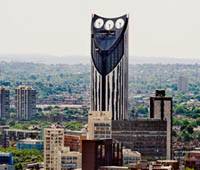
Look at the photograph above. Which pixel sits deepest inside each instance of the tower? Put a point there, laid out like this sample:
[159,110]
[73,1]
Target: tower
[25,102]
[53,145]
[182,83]
[109,65]
[4,103]
[161,108]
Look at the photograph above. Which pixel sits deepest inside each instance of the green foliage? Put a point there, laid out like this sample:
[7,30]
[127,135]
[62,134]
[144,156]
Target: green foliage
[23,157]
[189,168]
[73,125]
[142,110]
[181,109]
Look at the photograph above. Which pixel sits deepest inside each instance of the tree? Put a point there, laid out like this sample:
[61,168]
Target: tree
[180,109]
[143,110]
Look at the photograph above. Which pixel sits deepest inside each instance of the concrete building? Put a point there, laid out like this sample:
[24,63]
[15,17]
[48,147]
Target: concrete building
[7,167]
[113,168]
[4,103]
[73,140]
[99,125]
[6,161]
[109,65]
[30,144]
[33,166]
[70,159]
[6,158]
[192,160]
[173,163]
[97,153]
[131,157]
[147,136]
[25,102]
[11,136]
[53,144]
[2,139]
[182,83]
[161,108]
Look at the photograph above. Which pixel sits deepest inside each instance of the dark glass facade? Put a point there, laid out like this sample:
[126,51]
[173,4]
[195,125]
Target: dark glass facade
[109,70]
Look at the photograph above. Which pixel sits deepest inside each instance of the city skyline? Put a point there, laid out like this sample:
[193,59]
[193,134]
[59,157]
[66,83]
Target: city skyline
[159,28]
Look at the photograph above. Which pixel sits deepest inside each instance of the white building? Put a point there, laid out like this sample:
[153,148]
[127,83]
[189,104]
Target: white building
[99,125]
[53,144]
[7,167]
[131,157]
[70,159]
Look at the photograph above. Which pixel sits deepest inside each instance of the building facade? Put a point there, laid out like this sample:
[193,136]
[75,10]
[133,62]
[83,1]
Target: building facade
[53,144]
[30,144]
[11,136]
[131,157]
[99,125]
[25,102]
[182,83]
[73,140]
[161,108]
[147,136]
[96,153]
[4,103]
[109,66]
[70,159]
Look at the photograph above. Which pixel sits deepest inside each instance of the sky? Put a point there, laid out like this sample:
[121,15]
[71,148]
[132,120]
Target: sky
[62,27]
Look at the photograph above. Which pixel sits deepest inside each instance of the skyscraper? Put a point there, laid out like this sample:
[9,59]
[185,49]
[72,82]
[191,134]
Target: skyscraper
[4,103]
[109,65]
[161,108]
[25,102]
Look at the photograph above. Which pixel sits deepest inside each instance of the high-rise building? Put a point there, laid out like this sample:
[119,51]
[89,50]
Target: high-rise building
[4,103]
[25,102]
[99,125]
[53,145]
[161,108]
[109,66]
[182,83]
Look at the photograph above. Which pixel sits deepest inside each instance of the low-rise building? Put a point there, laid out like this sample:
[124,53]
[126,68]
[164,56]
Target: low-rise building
[73,140]
[6,161]
[30,144]
[192,160]
[11,136]
[7,167]
[131,157]
[70,159]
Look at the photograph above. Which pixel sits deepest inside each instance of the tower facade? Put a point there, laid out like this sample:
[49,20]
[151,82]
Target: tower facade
[109,65]
[4,103]
[25,102]
[53,145]
[161,108]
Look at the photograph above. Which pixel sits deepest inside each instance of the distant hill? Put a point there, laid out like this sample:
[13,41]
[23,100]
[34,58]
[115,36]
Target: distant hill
[50,59]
